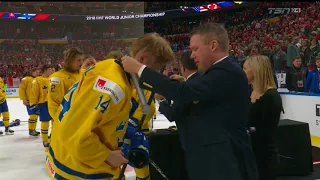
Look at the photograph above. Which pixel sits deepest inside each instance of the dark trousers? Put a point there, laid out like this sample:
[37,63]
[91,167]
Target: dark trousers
[267,167]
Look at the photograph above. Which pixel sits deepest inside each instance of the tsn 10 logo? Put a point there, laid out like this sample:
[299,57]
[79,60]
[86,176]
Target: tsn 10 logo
[279,11]
[318,114]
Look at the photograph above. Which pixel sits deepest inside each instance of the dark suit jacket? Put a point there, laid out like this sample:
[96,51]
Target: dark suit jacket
[217,144]
[177,112]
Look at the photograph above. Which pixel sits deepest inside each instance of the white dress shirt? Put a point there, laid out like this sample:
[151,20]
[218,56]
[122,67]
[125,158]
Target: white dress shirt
[144,66]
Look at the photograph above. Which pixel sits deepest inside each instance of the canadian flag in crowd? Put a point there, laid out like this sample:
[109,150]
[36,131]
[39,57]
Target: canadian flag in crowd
[212,6]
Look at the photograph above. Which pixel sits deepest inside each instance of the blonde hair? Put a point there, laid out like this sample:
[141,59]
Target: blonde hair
[213,31]
[114,55]
[154,44]
[262,72]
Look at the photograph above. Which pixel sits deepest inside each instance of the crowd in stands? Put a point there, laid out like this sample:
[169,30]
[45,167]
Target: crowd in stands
[251,31]
[112,8]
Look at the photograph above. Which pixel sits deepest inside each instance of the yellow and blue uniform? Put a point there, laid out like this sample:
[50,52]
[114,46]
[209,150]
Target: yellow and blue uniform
[24,94]
[91,122]
[60,82]
[38,98]
[134,121]
[4,110]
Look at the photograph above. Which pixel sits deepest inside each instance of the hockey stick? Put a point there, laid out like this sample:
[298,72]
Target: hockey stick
[139,128]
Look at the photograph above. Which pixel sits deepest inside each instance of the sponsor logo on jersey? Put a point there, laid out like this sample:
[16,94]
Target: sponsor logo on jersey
[107,86]
[100,83]
[54,80]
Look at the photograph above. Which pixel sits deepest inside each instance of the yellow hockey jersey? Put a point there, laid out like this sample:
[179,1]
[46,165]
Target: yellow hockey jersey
[25,88]
[2,91]
[39,90]
[136,111]
[60,82]
[92,121]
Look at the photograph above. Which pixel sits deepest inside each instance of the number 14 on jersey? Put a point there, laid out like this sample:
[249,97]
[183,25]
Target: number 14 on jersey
[103,105]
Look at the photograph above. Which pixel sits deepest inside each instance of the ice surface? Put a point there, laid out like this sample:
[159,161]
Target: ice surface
[23,158]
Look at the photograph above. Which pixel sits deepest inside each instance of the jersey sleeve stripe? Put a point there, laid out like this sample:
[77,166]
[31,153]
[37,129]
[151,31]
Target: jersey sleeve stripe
[72,172]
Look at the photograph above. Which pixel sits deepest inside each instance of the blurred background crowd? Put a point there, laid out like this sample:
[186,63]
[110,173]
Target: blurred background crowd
[284,38]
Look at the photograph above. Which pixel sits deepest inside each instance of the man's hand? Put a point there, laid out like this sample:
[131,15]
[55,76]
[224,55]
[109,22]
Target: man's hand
[177,77]
[88,62]
[25,102]
[116,159]
[130,64]
[158,97]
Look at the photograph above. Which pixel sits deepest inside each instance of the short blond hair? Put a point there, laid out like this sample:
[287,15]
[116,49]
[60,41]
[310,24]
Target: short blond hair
[114,55]
[213,31]
[154,44]
[262,72]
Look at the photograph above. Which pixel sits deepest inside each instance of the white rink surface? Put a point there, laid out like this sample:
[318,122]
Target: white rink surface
[23,158]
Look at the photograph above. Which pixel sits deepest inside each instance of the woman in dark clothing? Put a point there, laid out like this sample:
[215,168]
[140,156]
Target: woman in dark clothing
[266,107]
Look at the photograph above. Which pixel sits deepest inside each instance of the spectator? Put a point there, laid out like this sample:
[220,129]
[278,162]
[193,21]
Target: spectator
[314,51]
[304,51]
[292,50]
[313,80]
[296,76]
[279,57]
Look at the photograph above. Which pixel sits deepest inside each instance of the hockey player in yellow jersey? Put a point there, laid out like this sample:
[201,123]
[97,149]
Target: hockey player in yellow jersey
[63,79]
[24,94]
[93,117]
[4,110]
[38,99]
[75,61]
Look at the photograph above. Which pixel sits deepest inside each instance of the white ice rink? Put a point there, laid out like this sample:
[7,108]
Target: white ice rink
[23,157]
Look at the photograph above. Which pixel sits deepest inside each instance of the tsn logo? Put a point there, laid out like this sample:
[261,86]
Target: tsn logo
[278,11]
[318,114]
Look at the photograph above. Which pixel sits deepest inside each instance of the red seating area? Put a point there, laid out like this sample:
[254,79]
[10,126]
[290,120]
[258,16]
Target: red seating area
[251,31]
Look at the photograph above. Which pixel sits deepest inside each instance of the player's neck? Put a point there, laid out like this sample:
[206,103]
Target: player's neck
[44,75]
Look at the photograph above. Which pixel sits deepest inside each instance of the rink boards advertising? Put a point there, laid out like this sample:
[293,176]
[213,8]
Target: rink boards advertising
[186,11]
[12,92]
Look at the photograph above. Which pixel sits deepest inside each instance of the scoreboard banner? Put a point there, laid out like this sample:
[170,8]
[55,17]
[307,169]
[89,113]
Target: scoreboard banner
[186,11]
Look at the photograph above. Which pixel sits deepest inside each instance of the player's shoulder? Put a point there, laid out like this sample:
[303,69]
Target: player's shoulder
[58,76]
[40,78]
[26,78]
[104,64]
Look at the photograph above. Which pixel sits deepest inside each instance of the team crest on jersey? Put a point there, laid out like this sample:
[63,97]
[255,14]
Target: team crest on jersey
[45,87]
[54,80]
[107,86]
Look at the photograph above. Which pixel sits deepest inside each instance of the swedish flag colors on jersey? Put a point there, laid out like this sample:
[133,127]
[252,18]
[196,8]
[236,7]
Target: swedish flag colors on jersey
[136,112]
[39,90]
[2,91]
[60,82]
[24,94]
[134,121]
[38,99]
[4,110]
[91,120]
[25,88]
